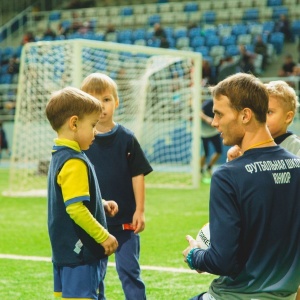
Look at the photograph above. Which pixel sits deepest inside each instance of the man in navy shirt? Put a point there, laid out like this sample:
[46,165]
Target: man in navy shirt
[254,203]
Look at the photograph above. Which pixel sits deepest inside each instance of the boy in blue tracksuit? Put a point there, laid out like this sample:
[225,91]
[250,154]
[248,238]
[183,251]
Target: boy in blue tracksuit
[76,220]
[120,166]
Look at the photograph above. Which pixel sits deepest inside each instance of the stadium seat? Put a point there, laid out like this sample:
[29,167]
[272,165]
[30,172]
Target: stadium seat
[238,29]
[194,32]
[182,42]
[6,79]
[274,3]
[165,8]
[153,19]
[203,50]
[212,40]
[140,42]
[124,35]
[126,11]
[295,28]
[244,39]
[217,52]
[54,16]
[268,26]
[191,7]
[255,29]
[209,17]
[224,30]
[139,34]
[232,50]
[278,11]
[197,41]
[228,40]
[111,37]
[210,31]
[180,32]
[169,31]
[251,14]
[277,40]
[153,43]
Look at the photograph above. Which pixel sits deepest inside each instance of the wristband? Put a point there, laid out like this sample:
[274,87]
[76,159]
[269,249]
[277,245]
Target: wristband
[189,258]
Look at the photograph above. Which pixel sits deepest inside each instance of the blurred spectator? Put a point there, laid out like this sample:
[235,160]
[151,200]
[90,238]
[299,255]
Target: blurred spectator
[110,28]
[27,38]
[49,33]
[227,66]
[3,140]
[13,67]
[74,4]
[261,47]
[164,43]
[159,32]
[206,73]
[287,68]
[76,22]
[61,30]
[246,62]
[283,25]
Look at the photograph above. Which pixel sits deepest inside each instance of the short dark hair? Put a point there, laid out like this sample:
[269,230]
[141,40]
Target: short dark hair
[244,91]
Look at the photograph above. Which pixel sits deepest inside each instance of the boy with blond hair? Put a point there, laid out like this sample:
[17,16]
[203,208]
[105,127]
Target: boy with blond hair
[120,166]
[76,220]
[283,105]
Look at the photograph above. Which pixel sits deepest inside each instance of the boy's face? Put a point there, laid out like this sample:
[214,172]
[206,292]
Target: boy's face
[227,121]
[278,118]
[86,130]
[109,104]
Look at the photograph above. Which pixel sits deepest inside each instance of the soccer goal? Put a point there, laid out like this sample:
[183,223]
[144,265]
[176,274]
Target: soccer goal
[159,91]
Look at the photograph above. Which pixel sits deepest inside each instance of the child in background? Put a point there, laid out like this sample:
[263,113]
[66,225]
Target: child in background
[120,166]
[209,135]
[76,219]
[283,104]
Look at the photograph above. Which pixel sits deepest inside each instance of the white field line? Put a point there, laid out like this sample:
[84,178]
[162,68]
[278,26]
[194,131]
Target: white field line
[110,264]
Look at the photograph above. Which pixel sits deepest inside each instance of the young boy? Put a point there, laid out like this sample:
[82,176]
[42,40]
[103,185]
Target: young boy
[76,219]
[283,105]
[120,166]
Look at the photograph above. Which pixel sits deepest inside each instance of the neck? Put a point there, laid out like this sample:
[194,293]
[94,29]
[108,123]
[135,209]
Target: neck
[103,128]
[261,138]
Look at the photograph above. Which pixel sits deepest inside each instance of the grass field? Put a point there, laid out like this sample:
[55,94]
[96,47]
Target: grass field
[170,215]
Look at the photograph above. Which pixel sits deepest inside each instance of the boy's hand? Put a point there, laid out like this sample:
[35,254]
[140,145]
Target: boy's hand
[110,245]
[138,221]
[111,208]
[234,152]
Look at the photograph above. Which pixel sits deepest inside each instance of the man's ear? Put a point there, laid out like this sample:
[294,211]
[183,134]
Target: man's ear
[246,115]
[73,123]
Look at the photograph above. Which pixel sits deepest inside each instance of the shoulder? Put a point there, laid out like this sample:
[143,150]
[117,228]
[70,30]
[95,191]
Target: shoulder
[292,144]
[122,129]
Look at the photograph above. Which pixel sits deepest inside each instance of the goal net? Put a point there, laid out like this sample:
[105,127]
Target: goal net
[159,91]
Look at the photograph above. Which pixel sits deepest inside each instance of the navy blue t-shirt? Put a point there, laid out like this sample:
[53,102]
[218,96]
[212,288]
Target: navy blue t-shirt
[117,157]
[255,223]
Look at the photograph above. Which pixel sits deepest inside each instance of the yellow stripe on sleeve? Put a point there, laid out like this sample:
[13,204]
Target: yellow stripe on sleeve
[83,218]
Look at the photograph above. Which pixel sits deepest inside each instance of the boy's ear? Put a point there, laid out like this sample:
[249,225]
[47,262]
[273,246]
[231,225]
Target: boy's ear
[289,117]
[117,103]
[73,123]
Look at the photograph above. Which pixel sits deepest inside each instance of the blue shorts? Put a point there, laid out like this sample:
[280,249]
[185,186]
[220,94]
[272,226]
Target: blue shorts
[80,282]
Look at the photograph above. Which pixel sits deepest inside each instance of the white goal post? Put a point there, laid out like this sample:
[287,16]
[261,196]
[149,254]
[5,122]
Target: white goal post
[160,96]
